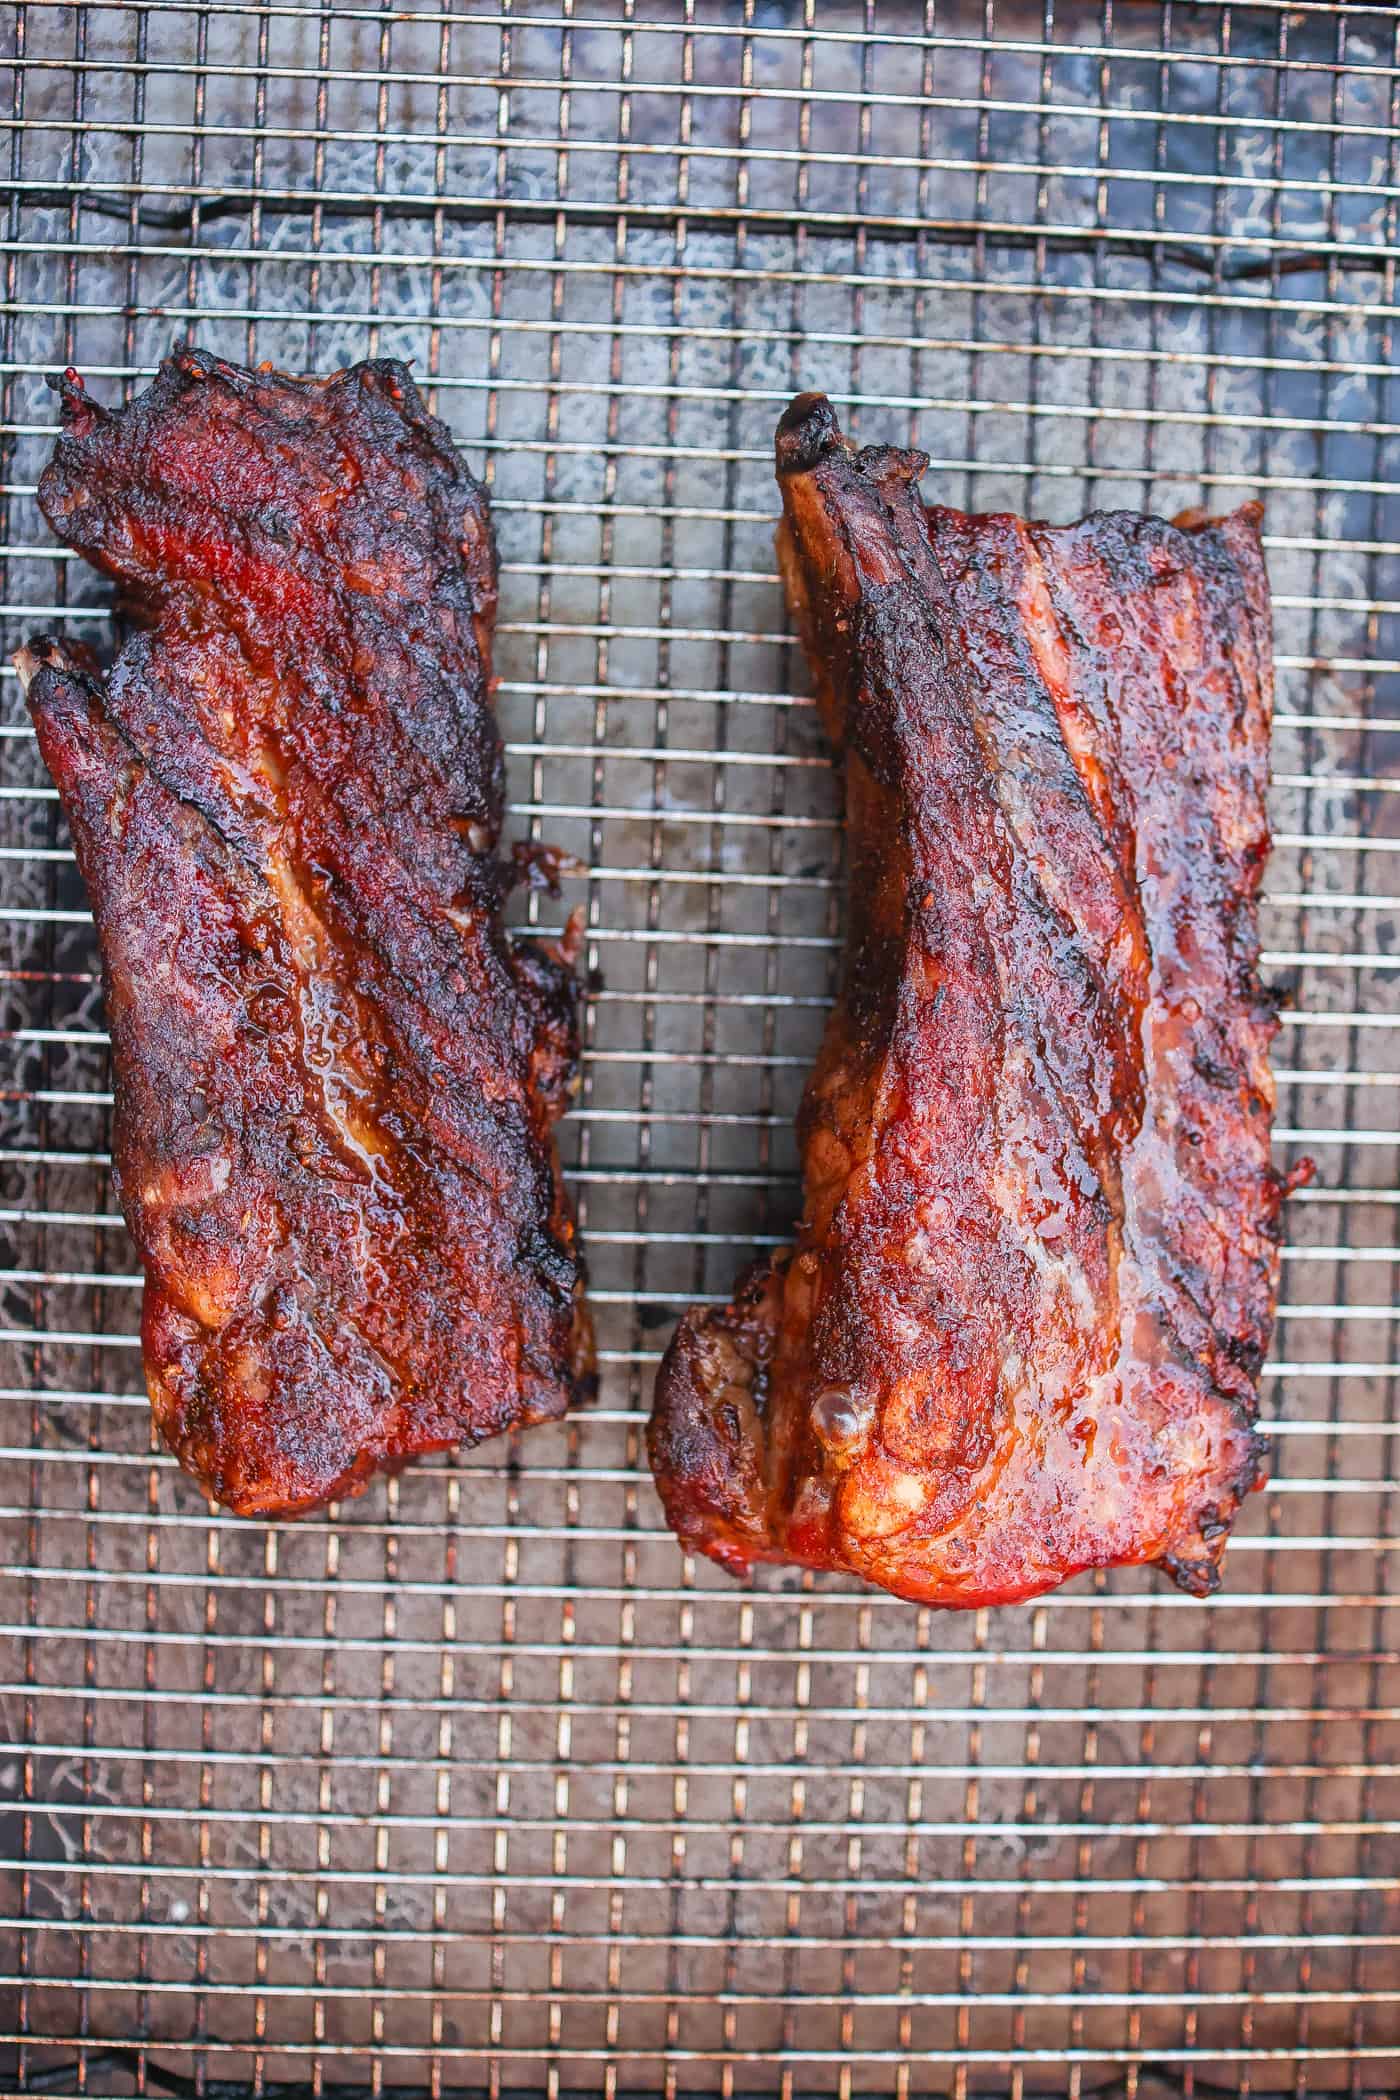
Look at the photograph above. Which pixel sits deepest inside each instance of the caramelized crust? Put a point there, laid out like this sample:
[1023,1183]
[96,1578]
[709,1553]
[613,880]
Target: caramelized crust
[336,1076]
[1021,1331]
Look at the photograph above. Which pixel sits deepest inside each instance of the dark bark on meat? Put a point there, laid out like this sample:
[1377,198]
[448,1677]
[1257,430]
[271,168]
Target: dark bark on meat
[336,1075]
[1021,1331]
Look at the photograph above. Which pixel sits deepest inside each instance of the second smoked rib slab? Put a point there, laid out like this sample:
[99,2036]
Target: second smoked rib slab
[336,1075]
[1022,1328]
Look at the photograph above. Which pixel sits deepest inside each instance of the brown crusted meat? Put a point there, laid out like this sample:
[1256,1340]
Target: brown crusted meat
[1021,1331]
[336,1076]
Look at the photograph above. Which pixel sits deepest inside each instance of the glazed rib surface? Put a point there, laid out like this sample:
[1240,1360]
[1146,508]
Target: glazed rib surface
[336,1075]
[1021,1331]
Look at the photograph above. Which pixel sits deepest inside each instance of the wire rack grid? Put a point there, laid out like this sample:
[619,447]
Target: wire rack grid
[477,1784]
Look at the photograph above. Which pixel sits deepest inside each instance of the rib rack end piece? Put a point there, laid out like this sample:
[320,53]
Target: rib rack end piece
[336,1075]
[1021,1330]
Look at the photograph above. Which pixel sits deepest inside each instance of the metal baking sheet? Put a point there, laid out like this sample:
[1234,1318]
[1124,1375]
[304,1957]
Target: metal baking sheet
[478,1784]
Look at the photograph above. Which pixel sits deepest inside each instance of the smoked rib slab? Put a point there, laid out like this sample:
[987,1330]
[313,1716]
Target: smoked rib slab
[1021,1331]
[336,1075]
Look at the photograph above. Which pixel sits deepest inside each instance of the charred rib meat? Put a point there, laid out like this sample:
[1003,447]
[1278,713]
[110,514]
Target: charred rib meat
[336,1075]
[1021,1331]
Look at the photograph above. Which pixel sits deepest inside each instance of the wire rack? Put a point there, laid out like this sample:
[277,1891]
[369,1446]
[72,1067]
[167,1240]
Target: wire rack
[477,1784]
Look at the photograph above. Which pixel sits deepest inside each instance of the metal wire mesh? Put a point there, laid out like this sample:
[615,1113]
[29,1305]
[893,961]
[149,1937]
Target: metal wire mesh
[477,1783]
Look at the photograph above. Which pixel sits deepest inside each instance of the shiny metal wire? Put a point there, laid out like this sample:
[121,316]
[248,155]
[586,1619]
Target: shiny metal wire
[478,1784]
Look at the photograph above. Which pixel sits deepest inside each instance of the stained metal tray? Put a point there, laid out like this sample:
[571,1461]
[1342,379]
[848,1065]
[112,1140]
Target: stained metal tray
[478,1784]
